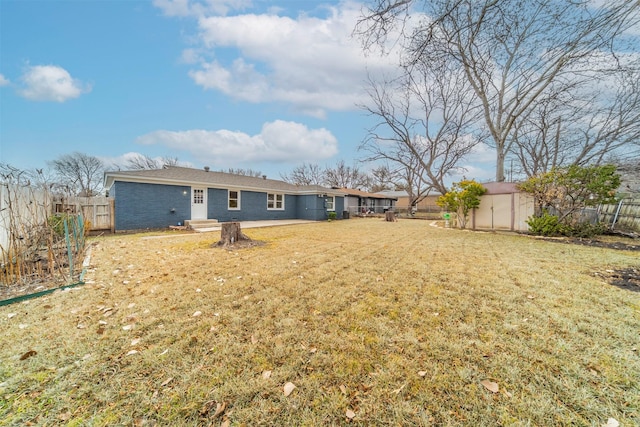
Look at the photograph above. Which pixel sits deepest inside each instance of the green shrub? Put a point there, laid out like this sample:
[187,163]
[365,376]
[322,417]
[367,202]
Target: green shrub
[550,225]
[332,216]
[586,230]
[546,225]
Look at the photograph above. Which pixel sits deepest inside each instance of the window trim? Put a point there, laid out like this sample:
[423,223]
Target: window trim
[333,203]
[275,201]
[237,199]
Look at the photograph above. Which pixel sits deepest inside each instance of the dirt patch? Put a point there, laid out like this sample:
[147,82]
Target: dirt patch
[618,244]
[240,244]
[624,278]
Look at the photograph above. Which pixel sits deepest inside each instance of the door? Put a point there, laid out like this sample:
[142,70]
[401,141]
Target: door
[198,203]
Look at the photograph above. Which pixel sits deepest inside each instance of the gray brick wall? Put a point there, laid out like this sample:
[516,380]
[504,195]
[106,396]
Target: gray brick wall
[146,206]
[140,206]
[253,207]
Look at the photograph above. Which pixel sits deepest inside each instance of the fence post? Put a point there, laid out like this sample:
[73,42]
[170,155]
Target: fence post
[615,217]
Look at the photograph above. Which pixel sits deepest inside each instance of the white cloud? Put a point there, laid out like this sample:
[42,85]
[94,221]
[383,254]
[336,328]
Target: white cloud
[51,83]
[199,8]
[311,63]
[278,141]
[3,80]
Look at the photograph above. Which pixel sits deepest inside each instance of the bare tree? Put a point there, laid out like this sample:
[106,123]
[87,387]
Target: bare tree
[585,127]
[511,51]
[424,125]
[305,174]
[141,162]
[81,173]
[383,178]
[343,176]
[244,172]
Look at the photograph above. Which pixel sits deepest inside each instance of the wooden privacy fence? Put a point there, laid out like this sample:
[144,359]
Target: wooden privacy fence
[37,245]
[625,215]
[97,211]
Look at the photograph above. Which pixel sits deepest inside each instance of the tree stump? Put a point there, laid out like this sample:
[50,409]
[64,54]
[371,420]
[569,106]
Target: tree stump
[390,216]
[231,234]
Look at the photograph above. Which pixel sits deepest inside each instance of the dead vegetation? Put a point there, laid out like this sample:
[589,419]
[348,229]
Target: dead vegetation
[349,322]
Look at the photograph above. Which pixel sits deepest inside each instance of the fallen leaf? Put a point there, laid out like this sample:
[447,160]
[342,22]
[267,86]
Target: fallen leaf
[164,352]
[197,313]
[343,389]
[135,341]
[132,352]
[10,315]
[127,327]
[350,414]
[397,391]
[254,340]
[131,305]
[611,422]
[220,407]
[288,388]
[22,326]
[167,381]
[28,354]
[490,385]
[266,375]
[81,326]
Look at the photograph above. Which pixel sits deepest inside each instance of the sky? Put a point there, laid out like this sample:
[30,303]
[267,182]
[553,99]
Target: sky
[261,85]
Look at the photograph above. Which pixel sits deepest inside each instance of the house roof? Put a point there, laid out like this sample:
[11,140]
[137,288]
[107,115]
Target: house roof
[176,175]
[363,194]
[403,193]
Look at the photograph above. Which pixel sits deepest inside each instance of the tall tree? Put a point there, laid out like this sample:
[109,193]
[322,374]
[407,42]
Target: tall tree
[424,124]
[81,173]
[141,162]
[511,51]
[383,178]
[344,176]
[244,172]
[581,127]
[305,174]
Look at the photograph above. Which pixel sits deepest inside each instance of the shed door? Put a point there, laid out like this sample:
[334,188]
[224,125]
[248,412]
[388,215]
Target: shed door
[198,203]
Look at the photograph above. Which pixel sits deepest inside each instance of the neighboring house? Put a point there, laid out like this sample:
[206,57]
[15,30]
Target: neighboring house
[427,204]
[162,197]
[360,202]
[502,207]
[630,177]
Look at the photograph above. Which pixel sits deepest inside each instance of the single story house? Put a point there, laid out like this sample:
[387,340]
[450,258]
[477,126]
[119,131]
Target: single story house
[427,204]
[172,195]
[360,202]
[502,207]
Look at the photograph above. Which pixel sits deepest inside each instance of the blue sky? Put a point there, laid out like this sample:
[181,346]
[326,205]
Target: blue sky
[265,85]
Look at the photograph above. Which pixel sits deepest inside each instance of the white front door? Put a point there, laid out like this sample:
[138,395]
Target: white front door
[198,203]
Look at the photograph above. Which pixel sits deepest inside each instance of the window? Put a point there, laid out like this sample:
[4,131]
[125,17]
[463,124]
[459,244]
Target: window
[234,200]
[275,201]
[330,203]
[198,196]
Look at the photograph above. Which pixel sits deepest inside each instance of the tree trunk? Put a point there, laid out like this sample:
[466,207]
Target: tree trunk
[231,234]
[390,216]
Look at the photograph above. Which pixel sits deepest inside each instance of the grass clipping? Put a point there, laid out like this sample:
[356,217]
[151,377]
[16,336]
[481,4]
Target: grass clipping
[329,323]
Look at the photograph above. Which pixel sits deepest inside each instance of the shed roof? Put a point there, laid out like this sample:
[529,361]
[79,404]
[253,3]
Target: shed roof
[188,176]
[501,187]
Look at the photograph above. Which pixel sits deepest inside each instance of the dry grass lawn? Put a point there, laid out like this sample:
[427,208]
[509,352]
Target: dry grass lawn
[374,323]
